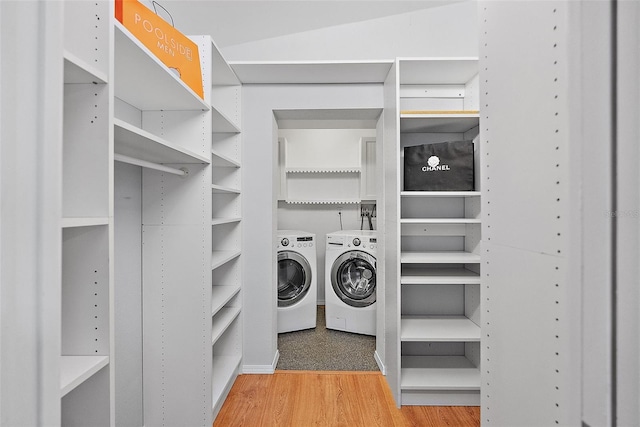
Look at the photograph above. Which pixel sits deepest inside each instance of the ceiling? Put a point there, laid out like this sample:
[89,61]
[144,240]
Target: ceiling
[242,21]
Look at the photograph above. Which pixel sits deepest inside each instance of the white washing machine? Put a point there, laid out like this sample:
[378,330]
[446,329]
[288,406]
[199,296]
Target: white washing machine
[350,281]
[297,280]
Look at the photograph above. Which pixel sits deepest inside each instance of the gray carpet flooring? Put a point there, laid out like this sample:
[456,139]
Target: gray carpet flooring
[323,349]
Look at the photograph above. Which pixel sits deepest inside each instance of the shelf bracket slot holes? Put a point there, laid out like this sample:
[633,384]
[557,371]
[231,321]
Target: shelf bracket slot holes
[150,165]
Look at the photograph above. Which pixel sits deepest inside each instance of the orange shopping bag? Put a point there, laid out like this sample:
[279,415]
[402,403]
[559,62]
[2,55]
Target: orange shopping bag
[173,48]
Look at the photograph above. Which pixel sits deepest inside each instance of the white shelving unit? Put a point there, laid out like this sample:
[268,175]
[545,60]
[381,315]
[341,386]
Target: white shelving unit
[219,189]
[438,243]
[190,222]
[324,184]
[219,258]
[74,370]
[135,142]
[438,329]
[226,229]
[86,362]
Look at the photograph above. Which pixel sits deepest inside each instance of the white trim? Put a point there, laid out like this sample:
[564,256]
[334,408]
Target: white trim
[262,369]
[380,363]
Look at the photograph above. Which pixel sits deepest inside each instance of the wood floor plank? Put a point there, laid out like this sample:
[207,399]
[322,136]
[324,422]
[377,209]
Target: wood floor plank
[329,399]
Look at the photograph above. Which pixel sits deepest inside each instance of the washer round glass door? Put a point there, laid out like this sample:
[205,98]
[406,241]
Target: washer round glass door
[353,277]
[294,278]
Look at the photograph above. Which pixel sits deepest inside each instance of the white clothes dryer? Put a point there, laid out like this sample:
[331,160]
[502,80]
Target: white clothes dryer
[350,281]
[297,280]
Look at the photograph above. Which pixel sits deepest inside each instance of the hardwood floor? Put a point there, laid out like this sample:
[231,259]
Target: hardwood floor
[324,398]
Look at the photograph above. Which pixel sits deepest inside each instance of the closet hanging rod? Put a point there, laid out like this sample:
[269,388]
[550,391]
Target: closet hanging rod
[150,165]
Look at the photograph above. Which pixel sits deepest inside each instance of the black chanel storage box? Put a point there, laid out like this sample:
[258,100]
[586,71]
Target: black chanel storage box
[444,166]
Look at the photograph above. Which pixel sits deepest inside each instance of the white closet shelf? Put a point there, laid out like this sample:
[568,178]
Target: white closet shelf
[432,123]
[437,71]
[78,71]
[83,222]
[221,295]
[221,160]
[436,228]
[134,142]
[440,194]
[440,221]
[74,370]
[323,170]
[145,82]
[439,276]
[322,202]
[220,221]
[438,373]
[221,123]
[438,114]
[223,74]
[219,258]
[438,329]
[224,370]
[222,189]
[448,257]
[221,321]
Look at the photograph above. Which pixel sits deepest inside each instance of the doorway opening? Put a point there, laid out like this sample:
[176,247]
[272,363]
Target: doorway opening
[327,201]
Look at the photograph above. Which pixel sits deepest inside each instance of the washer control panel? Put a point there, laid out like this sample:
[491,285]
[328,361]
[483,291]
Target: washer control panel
[297,242]
[362,242]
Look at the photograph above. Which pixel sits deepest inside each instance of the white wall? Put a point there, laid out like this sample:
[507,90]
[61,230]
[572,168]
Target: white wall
[260,182]
[318,148]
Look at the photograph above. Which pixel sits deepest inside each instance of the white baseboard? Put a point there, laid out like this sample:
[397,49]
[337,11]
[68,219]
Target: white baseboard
[320,302]
[379,362]
[262,369]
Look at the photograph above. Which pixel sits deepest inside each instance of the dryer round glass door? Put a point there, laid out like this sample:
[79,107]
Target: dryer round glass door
[353,277]
[294,278]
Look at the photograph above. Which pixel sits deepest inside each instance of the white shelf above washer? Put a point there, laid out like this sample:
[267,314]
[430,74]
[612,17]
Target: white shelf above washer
[322,202]
[323,170]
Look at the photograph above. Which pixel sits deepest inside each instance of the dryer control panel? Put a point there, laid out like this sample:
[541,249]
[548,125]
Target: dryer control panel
[355,242]
[296,242]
